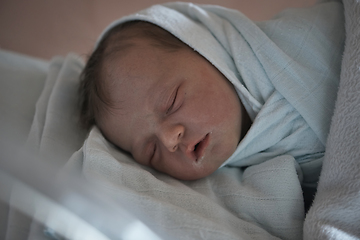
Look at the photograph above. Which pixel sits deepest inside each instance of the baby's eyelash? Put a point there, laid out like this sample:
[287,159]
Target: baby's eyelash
[173,102]
[154,150]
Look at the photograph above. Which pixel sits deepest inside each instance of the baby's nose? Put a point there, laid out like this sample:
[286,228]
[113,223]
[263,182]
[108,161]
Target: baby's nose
[171,137]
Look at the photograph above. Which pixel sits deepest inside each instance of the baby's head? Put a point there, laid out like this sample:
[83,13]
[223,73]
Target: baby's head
[156,98]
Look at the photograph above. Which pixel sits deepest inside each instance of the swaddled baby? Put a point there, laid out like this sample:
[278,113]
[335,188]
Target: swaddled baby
[230,92]
[155,97]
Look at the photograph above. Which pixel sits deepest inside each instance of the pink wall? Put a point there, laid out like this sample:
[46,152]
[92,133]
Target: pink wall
[46,28]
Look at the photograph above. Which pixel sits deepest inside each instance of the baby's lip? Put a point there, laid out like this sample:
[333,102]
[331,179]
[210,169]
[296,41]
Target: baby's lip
[200,147]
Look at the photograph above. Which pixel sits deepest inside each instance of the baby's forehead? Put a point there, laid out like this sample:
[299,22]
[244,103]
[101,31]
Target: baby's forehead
[130,72]
[120,53]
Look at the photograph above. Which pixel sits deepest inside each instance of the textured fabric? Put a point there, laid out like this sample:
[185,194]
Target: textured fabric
[52,131]
[56,112]
[262,202]
[23,76]
[335,213]
[20,76]
[286,72]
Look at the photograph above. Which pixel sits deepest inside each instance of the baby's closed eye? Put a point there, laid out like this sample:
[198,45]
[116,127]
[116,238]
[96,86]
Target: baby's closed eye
[172,101]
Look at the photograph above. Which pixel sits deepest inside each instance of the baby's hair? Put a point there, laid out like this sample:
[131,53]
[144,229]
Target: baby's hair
[93,98]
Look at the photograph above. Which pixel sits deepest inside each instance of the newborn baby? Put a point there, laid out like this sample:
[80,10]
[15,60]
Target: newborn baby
[186,89]
[156,98]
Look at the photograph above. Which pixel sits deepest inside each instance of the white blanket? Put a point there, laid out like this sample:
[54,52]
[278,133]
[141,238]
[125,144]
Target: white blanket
[231,203]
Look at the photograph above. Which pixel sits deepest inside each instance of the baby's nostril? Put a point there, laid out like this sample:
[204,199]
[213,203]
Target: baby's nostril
[196,146]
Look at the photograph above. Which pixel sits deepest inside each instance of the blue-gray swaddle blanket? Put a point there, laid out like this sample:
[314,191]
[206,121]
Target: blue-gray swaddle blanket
[286,72]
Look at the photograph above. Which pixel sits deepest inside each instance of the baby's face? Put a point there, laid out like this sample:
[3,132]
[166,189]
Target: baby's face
[173,111]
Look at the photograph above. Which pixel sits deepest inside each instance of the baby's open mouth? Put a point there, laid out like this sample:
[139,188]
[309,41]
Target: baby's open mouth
[200,147]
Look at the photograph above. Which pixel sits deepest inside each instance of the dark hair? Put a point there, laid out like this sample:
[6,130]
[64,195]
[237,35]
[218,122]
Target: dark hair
[92,95]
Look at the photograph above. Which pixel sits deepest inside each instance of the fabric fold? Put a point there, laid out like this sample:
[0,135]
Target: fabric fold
[55,129]
[262,202]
